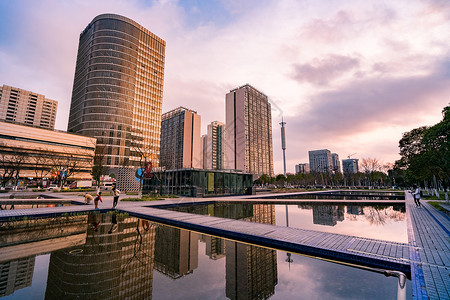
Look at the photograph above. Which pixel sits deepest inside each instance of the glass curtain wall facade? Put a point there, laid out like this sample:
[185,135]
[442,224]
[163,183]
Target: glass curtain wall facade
[199,183]
[118,89]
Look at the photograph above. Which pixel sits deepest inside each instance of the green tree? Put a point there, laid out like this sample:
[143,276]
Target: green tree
[425,153]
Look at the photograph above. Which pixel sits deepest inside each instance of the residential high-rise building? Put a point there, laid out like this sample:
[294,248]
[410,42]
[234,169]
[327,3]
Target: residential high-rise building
[118,89]
[204,142]
[302,168]
[336,162]
[180,139]
[27,108]
[320,161]
[350,166]
[213,146]
[248,136]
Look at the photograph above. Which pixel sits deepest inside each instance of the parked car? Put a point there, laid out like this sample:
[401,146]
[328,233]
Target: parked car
[51,187]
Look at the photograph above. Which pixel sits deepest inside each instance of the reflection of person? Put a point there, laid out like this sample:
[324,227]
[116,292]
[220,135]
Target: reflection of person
[98,197]
[116,194]
[416,195]
[114,225]
[95,224]
[88,198]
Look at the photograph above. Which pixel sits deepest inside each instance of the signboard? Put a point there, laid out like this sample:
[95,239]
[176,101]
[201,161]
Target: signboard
[210,182]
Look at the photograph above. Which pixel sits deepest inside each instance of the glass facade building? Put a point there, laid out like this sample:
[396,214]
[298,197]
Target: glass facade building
[118,89]
[199,183]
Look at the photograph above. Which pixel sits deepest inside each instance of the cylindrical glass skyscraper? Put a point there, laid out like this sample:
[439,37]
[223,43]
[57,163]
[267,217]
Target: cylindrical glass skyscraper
[118,89]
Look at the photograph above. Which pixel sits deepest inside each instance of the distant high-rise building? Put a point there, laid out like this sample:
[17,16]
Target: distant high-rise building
[213,146]
[180,139]
[350,166]
[118,88]
[248,137]
[204,145]
[302,168]
[320,161]
[336,162]
[27,108]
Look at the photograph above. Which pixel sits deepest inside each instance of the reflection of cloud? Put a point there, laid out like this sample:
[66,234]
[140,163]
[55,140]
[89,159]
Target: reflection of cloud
[321,71]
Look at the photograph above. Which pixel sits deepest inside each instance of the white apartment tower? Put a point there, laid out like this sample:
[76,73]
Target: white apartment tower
[320,161]
[27,108]
[248,134]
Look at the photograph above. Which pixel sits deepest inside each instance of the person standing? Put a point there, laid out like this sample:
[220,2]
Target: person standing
[116,194]
[97,198]
[416,195]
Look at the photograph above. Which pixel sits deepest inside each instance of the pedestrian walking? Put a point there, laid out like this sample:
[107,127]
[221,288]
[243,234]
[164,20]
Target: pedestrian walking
[97,198]
[88,198]
[416,195]
[116,194]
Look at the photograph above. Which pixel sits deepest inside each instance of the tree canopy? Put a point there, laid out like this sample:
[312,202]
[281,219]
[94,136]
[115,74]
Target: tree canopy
[425,152]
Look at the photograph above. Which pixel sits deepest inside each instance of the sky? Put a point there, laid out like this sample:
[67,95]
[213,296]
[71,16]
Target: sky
[346,75]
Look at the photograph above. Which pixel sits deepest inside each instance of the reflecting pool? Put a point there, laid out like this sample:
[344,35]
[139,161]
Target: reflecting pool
[8,205]
[384,222]
[115,256]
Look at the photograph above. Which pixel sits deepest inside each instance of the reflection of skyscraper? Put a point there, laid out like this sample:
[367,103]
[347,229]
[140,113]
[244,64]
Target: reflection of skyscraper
[114,265]
[16,274]
[215,247]
[176,251]
[251,271]
[327,214]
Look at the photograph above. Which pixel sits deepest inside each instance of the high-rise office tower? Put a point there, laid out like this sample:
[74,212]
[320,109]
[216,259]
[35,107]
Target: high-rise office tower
[320,161]
[248,137]
[180,139]
[336,162]
[118,88]
[213,146]
[27,108]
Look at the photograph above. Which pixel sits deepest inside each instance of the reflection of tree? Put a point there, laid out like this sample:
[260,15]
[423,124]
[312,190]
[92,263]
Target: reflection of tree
[138,252]
[379,215]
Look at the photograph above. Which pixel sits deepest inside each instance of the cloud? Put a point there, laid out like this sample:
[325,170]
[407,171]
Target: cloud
[335,71]
[322,71]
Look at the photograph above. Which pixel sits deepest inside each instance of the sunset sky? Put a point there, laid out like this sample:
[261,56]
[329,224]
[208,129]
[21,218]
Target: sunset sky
[349,76]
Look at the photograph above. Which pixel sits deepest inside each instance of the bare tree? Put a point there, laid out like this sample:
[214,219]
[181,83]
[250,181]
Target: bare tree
[370,165]
[40,164]
[11,163]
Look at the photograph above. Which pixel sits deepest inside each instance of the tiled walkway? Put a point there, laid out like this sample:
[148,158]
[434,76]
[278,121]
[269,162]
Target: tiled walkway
[428,233]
